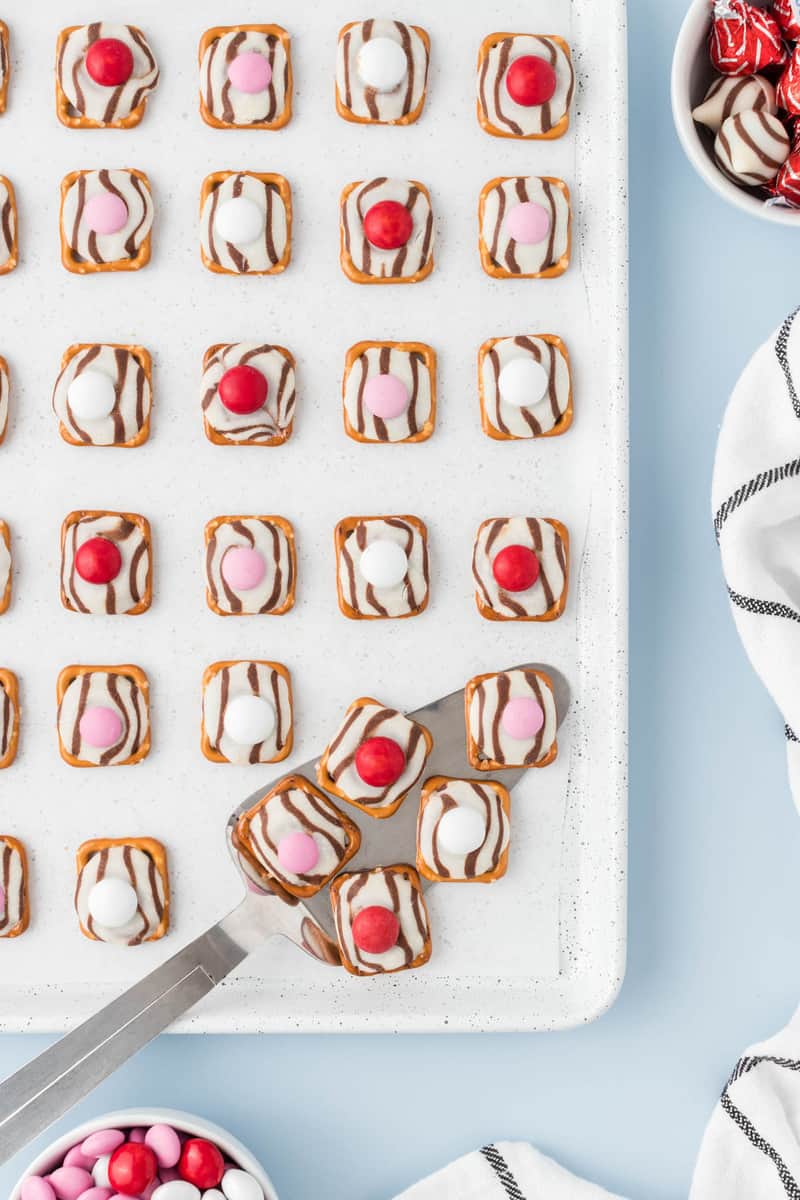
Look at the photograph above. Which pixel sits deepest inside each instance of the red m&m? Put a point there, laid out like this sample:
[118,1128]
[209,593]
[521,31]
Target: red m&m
[516,568]
[380,761]
[109,62]
[243,390]
[201,1163]
[98,560]
[132,1169]
[530,80]
[376,929]
[388,225]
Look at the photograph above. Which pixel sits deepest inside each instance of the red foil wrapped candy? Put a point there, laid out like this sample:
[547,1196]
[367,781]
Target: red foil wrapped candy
[787,93]
[744,39]
[787,14]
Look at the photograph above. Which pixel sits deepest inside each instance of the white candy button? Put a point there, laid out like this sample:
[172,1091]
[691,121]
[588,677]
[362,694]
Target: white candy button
[523,382]
[239,221]
[91,395]
[112,903]
[238,1185]
[176,1189]
[100,1171]
[249,720]
[462,830]
[383,564]
[382,64]
[213,1195]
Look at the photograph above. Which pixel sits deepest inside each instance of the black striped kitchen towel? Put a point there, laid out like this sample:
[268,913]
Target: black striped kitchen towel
[756,506]
[505,1171]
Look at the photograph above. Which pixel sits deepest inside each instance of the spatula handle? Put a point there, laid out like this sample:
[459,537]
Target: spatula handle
[39,1093]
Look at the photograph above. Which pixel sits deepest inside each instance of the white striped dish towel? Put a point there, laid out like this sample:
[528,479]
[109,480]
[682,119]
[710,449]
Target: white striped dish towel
[756,506]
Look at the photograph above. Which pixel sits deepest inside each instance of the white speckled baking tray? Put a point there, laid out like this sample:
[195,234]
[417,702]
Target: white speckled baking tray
[545,947]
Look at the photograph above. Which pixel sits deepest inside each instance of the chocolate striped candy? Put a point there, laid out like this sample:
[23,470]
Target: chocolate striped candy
[397,889]
[14,906]
[463,830]
[751,147]
[731,94]
[85,98]
[9,717]
[103,716]
[138,869]
[381,72]
[246,77]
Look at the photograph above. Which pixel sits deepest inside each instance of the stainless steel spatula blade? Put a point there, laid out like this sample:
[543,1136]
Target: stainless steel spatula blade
[39,1093]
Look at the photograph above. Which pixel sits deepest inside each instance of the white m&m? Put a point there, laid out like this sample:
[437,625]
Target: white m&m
[240,1185]
[92,395]
[383,564]
[239,221]
[523,382]
[249,720]
[462,830]
[382,64]
[112,903]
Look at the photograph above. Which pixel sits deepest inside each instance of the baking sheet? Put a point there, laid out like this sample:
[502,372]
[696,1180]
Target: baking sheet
[543,948]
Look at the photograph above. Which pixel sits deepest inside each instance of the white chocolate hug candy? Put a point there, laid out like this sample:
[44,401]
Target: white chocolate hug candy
[731,94]
[751,147]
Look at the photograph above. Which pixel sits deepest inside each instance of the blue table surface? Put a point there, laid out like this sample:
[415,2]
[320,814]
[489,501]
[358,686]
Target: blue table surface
[714,842]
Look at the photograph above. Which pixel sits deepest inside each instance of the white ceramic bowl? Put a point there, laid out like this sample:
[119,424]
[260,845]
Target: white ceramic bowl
[691,74]
[185,1122]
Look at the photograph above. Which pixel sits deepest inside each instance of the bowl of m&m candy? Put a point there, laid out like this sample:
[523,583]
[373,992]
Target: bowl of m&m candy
[145,1154]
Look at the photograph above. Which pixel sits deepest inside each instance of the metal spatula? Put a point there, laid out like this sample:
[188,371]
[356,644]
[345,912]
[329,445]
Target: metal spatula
[39,1093]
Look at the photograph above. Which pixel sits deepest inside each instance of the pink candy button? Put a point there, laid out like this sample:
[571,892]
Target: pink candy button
[69,1183]
[528,223]
[250,72]
[386,396]
[105,213]
[243,568]
[98,1193]
[100,727]
[522,718]
[298,853]
[104,1141]
[36,1188]
[165,1144]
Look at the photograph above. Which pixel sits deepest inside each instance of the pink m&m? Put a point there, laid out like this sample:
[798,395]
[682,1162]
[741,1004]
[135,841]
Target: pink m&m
[36,1188]
[243,568]
[104,1141]
[76,1158]
[522,718]
[528,223]
[250,72]
[105,213]
[98,1193]
[165,1144]
[100,727]
[298,853]
[386,396]
[69,1183]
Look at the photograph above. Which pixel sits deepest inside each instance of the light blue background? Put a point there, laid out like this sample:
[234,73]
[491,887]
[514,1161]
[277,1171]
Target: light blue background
[713,951]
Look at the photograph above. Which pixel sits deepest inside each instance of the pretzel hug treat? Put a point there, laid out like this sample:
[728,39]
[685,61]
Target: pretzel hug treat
[521,568]
[525,85]
[6,570]
[9,717]
[525,387]
[122,895]
[386,231]
[5,392]
[381,72]
[106,221]
[15,909]
[248,394]
[375,757]
[295,838]
[106,563]
[104,394]
[511,720]
[245,223]
[525,226]
[463,830]
[5,65]
[103,716]
[104,73]
[251,566]
[245,77]
[9,245]
[381,920]
[382,567]
[389,391]
[247,712]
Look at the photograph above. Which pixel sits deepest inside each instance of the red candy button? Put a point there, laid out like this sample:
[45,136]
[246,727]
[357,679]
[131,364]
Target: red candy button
[98,560]
[376,929]
[109,62]
[243,390]
[380,761]
[388,225]
[516,568]
[530,80]
[201,1164]
[132,1168]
